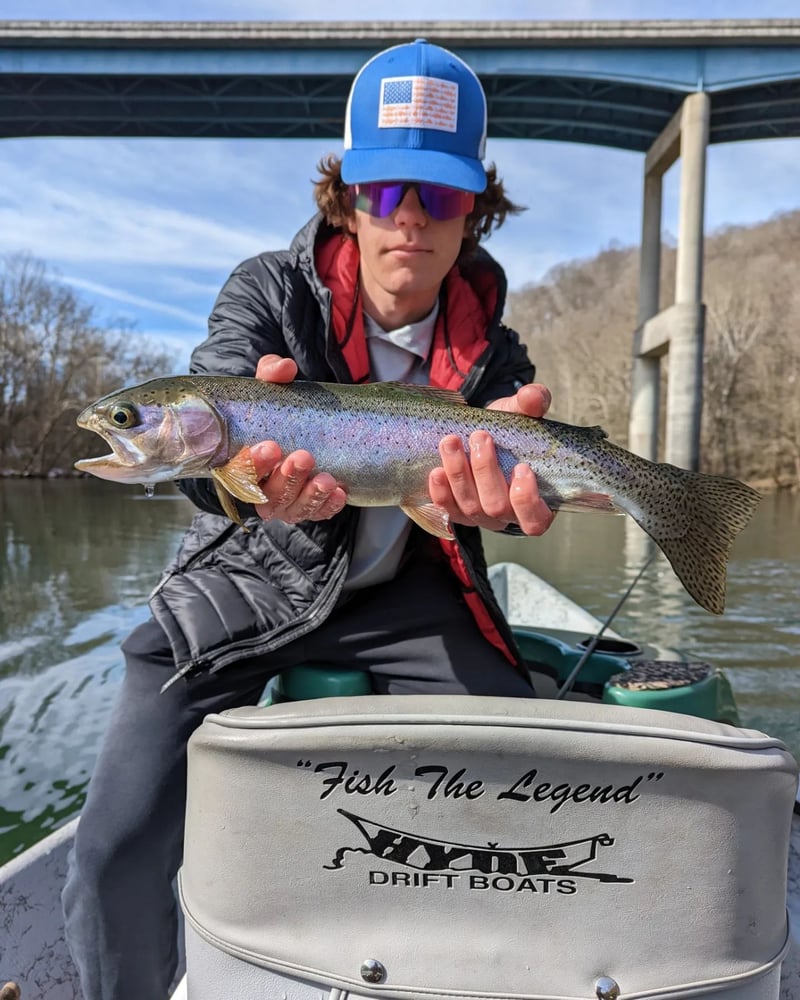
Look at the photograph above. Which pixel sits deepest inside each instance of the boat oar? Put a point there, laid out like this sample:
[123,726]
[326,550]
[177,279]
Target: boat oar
[568,684]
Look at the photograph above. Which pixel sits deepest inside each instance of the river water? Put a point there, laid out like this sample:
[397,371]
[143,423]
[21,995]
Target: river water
[80,557]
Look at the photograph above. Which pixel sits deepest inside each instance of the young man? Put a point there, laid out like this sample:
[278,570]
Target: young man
[387,282]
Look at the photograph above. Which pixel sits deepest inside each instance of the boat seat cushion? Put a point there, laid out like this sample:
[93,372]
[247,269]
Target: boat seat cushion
[486,847]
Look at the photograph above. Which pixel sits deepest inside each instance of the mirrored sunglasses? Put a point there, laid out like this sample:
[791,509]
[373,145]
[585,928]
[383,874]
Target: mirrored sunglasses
[381,198]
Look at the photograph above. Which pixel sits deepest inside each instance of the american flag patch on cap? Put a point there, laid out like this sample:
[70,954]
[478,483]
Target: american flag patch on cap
[418,102]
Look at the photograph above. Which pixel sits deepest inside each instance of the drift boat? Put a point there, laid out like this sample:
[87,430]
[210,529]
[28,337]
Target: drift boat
[630,840]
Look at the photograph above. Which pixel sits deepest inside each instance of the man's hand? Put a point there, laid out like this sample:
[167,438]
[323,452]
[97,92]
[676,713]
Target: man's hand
[474,490]
[294,494]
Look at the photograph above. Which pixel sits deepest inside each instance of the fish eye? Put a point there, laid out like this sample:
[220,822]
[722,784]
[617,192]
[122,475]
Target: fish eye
[124,416]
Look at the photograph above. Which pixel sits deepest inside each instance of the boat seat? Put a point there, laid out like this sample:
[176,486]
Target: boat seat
[416,848]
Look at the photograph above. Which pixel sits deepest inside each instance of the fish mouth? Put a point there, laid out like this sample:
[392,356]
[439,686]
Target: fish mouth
[123,455]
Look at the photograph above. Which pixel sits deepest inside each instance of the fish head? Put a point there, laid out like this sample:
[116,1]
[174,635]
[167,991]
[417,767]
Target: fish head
[161,430]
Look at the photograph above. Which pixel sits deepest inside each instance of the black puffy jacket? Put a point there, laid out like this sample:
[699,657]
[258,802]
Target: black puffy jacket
[231,594]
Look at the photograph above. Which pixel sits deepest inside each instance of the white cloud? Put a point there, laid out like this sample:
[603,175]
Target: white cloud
[386,10]
[120,295]
[79,219]
[207,204]
[182,285]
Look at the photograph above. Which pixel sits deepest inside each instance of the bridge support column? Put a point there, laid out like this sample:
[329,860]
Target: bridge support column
[645,387]
[679,329]
[685,394]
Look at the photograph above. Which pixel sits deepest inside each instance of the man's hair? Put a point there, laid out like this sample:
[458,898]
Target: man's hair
[491,206]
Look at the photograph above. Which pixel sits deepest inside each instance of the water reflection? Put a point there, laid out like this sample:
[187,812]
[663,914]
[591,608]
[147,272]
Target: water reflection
[73,547]
[80,559]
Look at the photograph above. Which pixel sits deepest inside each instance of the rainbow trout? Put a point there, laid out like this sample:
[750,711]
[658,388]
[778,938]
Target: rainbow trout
[381,440]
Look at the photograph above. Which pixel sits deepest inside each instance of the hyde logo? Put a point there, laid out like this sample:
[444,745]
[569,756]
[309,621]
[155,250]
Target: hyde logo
[424,862]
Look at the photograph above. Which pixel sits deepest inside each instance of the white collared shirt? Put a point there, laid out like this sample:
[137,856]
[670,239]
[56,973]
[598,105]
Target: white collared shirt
[400,355]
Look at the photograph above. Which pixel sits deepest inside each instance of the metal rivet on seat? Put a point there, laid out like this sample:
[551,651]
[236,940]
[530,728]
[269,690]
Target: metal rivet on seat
[606,989]
[372,971]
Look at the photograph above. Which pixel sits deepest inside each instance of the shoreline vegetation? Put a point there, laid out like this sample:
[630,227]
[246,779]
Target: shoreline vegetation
[578,323]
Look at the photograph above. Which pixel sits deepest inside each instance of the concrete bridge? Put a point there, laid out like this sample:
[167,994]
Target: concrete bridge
[666,89]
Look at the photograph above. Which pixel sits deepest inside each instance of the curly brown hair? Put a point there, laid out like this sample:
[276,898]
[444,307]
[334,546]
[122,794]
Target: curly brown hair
[492,205]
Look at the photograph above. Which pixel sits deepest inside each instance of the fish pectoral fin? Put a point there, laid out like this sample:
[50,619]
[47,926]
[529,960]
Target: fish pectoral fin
[435,520]
[229,505]
[238,477]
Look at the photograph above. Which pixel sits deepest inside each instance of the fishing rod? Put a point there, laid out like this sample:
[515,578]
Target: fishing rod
[568,684]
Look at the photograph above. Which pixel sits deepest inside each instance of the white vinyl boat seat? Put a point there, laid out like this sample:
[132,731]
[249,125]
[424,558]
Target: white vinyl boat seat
[455,847]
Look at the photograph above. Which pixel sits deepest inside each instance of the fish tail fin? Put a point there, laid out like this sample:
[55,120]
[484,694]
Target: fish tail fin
[708,514]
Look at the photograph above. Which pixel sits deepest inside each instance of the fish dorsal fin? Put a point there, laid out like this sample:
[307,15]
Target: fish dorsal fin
[238,479]
[431,392]
[435,520]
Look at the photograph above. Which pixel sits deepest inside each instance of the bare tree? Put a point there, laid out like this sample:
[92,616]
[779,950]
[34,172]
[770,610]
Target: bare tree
[54,360]
[578,323]
[736,321]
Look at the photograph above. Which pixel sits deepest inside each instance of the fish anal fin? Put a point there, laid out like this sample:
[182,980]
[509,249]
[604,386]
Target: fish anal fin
[238,477]
[435,520]
[601,502]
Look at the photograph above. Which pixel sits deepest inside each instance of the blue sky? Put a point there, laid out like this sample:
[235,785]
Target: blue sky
[149,229]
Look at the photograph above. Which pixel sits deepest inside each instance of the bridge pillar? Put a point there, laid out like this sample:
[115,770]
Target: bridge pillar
[645,387]
[685,393]
[680,328]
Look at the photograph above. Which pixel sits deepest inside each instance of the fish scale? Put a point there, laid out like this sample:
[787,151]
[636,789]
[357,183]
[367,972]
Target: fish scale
[380,441]
[375,456]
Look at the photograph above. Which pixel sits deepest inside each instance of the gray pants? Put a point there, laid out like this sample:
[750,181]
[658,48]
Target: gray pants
[413,635]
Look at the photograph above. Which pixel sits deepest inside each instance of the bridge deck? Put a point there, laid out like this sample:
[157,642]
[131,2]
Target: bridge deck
[609,83]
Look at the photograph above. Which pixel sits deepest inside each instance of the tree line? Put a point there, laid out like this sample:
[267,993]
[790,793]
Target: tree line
[578,324]
[55,359]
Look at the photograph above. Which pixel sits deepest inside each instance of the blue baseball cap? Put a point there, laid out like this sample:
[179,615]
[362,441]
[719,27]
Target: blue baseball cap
[416,112]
